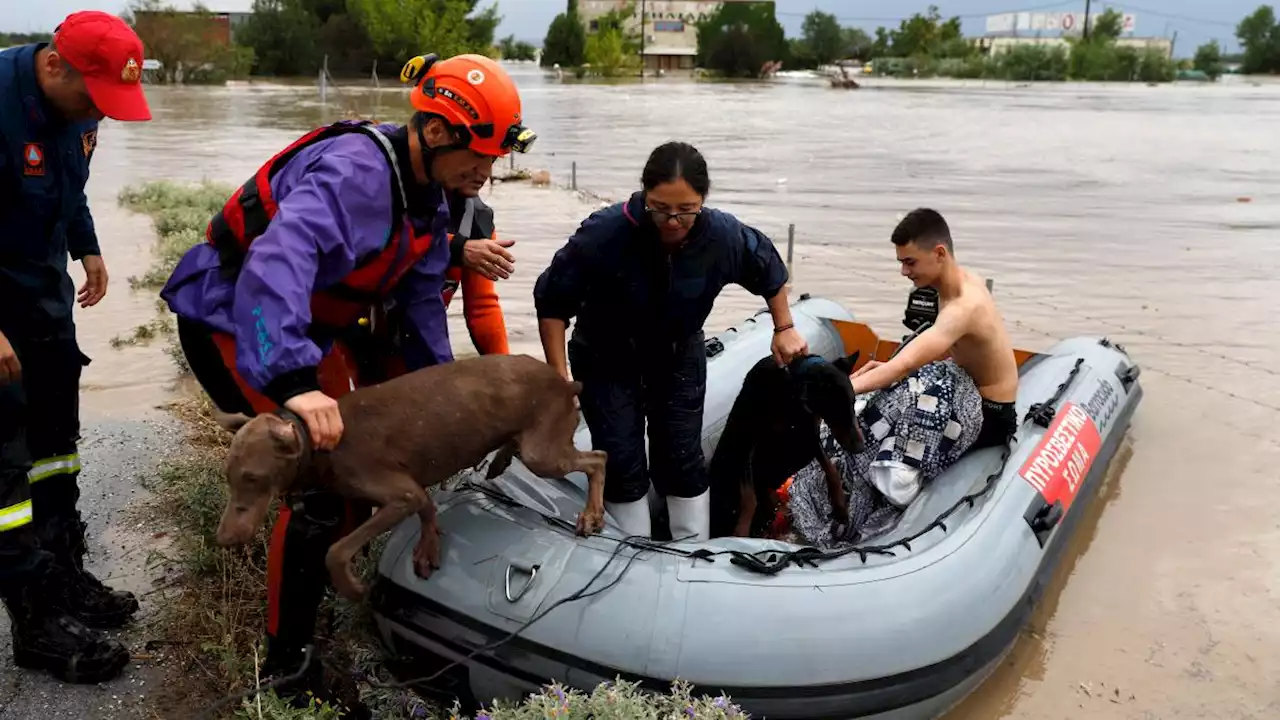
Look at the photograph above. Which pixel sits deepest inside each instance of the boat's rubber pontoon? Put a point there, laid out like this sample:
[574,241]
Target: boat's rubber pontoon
[904,629]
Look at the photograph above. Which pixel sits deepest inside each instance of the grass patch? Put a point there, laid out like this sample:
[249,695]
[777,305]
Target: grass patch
[180,214]
[162,326]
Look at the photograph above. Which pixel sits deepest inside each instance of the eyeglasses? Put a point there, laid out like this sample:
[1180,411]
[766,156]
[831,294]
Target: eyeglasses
[662,217]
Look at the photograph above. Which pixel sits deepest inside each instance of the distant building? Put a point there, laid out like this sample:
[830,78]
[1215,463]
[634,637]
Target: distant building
[670,27]
[994,45]
[227,16]
[1007,31]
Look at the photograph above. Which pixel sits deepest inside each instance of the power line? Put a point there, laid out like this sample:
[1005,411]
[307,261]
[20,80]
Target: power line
[1170,16]
[1033,8]
[962,16]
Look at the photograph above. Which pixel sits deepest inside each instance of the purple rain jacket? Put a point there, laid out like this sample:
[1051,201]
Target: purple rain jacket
[335,204]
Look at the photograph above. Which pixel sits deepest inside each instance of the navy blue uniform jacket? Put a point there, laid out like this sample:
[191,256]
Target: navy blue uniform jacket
[44,165]
[630,296]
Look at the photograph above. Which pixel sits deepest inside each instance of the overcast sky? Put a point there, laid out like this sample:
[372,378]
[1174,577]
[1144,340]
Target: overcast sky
[1195,21]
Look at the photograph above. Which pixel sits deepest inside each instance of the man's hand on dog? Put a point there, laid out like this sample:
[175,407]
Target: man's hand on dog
[787,345]
[320,413]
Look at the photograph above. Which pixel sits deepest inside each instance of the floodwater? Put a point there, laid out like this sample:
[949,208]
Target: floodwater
[1147,214]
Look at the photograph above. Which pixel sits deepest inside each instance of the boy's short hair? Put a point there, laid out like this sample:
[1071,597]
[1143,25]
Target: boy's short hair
[924,228]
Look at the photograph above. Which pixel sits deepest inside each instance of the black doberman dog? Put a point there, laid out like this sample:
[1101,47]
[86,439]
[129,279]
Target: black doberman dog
[773,431]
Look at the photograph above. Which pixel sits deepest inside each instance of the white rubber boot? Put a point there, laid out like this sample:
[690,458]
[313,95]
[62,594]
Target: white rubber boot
[632,517]
[690,518]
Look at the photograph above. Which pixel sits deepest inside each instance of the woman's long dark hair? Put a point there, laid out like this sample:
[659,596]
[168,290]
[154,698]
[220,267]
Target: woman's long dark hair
[676,161]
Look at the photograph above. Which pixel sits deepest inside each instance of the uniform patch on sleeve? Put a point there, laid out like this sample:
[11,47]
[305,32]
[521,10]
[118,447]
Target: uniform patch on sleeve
[33,159]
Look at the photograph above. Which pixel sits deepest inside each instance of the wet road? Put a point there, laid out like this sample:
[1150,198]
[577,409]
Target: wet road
[1147,214]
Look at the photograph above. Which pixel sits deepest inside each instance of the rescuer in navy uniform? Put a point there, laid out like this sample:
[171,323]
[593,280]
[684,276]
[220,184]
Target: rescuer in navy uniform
[52,96]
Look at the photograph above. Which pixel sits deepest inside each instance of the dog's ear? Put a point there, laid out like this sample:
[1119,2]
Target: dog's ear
[847,365]
[231,422]
[285,435]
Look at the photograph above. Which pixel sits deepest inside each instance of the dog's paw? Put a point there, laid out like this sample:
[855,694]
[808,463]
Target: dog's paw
[426,555]
[344,580]
[590,521]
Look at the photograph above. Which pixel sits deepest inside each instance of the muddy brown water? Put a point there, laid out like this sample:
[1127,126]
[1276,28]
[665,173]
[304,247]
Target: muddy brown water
[1149,215]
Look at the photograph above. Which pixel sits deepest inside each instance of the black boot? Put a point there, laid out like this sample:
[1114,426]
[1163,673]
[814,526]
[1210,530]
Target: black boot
[87,599]
[285,660]
[45,638]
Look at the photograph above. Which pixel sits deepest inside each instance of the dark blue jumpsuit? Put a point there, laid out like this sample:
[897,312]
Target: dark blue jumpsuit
[44,164]
[637,346]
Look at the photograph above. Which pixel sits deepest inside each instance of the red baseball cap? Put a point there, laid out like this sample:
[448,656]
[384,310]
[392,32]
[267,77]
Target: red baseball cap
[108,53]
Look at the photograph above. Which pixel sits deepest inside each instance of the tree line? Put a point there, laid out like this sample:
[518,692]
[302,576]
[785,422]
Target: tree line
[293,37]
[11,39]
[738,39]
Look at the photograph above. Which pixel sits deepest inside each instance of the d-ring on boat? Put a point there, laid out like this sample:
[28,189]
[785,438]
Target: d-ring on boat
[902,628]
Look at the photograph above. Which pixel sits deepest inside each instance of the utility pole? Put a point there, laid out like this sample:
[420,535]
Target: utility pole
[1086,19]
[642,33]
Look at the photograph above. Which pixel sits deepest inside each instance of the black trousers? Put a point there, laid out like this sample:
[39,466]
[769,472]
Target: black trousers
[665,386]
[39,461]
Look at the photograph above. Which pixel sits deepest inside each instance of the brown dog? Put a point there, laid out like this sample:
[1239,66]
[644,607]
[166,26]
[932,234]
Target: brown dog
[403,437]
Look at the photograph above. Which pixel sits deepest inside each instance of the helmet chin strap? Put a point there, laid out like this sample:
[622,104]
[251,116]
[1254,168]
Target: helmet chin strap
[429,154]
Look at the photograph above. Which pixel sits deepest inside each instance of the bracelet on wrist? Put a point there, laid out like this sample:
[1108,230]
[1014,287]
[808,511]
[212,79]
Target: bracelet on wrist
[783,328]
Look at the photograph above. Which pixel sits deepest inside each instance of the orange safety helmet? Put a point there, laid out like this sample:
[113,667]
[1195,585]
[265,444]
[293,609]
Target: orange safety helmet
[474,95]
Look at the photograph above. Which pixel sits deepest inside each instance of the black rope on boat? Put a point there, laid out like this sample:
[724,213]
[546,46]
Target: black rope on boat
[1043,413]
[581,594]
[772,562]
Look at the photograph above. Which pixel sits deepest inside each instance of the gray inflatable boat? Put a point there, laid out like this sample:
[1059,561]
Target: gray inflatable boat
[904,629]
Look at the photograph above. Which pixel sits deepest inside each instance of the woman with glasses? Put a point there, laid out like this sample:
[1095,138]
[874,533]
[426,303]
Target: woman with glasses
[641,277]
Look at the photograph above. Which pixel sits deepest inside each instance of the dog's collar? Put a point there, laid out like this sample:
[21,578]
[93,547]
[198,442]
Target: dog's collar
[304,434]
[798,391]
[810,360]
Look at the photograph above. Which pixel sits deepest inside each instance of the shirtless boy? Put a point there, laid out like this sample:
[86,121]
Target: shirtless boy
[969,328]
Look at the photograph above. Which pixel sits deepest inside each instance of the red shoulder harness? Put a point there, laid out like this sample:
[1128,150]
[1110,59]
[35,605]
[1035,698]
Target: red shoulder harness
[248,213]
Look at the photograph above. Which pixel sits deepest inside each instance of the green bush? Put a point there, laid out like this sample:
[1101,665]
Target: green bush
[1032,63]
[1092,61]
[617,700]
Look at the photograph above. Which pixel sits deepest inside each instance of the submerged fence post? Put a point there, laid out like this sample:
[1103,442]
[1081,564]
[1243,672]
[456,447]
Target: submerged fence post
[324,80]
[573,177]
[791,241]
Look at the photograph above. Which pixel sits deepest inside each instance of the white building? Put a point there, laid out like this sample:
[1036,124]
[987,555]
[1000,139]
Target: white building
[1004,44]
[670,27]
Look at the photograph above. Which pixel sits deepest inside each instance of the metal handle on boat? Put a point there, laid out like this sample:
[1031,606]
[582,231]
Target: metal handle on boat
[533,575]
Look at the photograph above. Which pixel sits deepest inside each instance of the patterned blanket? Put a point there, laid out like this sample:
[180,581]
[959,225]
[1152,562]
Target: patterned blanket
[915,430]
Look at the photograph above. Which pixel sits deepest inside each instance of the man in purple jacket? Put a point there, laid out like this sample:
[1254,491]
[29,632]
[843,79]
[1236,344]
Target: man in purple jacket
[285,306]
